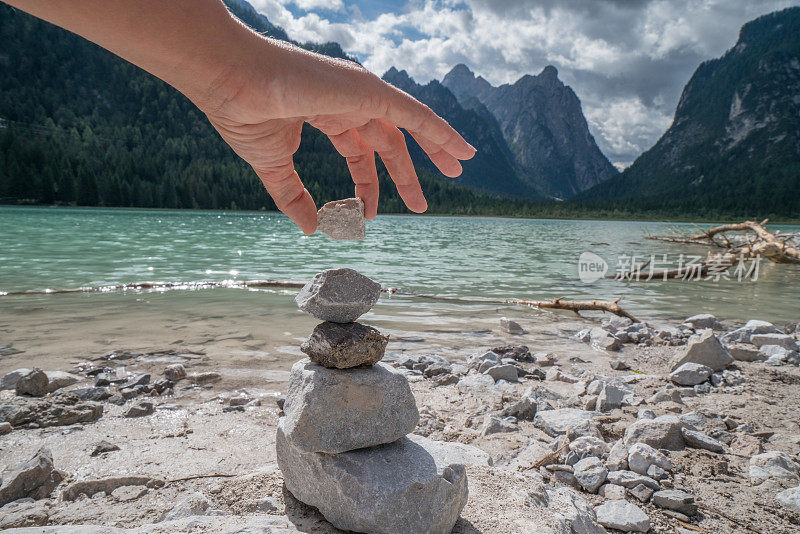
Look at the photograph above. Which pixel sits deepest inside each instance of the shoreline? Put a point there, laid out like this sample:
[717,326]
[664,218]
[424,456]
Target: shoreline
[688,219]
[219,423]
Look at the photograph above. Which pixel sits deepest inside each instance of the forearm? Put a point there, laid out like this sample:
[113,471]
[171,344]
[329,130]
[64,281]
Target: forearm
[190,44]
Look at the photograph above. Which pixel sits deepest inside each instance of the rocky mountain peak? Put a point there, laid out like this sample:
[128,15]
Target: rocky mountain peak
[543,124]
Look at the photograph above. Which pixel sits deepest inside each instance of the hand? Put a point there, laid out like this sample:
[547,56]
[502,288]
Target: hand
[264,101]
[257,93]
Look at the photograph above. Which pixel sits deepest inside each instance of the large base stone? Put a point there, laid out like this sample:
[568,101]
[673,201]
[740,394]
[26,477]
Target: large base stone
[405,486]
[332,410]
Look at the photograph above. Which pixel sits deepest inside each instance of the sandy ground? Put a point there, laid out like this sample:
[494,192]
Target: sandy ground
[195,442]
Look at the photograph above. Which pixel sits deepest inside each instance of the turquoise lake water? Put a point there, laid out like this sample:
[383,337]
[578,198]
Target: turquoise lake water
[464,257]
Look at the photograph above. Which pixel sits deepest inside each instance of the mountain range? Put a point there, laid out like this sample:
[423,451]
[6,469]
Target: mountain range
[80,126]
[734,143]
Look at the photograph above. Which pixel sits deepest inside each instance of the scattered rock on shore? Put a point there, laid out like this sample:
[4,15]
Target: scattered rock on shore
[338,295]
[33,384]
[622,515]
[704,348]
[690,374]
[57,410]
[35,478]
[342,346]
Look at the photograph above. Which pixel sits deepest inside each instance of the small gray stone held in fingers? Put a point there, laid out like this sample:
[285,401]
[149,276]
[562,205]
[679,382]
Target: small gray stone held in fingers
[343,219]
[338,295]
[342,346]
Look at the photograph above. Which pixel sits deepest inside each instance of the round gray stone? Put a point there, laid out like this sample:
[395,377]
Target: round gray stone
[338,295]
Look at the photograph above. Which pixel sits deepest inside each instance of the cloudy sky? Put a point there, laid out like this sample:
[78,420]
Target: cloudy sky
[626,59]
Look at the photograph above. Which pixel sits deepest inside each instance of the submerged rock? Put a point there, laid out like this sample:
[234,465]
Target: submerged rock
[338,295]
[404,486]
[342,346]
[343,219]
[333,411]
[510,327]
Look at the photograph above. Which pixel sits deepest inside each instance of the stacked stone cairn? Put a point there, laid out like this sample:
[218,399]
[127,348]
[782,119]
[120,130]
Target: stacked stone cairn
[343,444]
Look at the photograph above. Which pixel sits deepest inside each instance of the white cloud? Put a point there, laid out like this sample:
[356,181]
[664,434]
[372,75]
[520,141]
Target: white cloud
[626,60]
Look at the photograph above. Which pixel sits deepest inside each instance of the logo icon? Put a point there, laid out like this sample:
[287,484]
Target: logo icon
[591,267]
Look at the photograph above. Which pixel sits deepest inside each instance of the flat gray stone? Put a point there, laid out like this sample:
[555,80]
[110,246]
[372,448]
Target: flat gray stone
[60,379]
[676,500]
[343,219]
[641,456]
[600,339]
[782,340]
[743,334]
[342,346]
[663,432]
[622,515]
[338,295]
[404,486]
[590,473]
[557,422]
[789,499]
[610,398]
[703,320]
[505,371]
[704,348]
[510,327]
[773,466]
[495,425]
[333,411]
[9,380]
[690,374]
[744,352]
[698,440]
[629,479]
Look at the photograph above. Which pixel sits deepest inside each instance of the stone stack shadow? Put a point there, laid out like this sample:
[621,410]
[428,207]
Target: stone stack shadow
[344,444]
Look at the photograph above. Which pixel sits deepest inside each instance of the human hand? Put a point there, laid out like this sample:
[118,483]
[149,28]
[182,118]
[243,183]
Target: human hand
[261,102]
[257,92]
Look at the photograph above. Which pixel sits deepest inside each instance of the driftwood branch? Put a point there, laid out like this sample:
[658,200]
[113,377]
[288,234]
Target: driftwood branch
[577,306]
[760,243]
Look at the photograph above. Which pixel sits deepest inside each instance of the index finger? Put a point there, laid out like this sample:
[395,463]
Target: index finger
[405,111]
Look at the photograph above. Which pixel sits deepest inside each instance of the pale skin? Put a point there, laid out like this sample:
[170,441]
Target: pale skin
[257,93]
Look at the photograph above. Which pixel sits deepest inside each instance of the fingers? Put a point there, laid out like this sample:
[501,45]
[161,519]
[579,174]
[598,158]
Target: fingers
[443,160]
[361,163]
[284,186]
[390,145]
[407,112]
